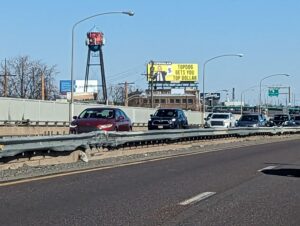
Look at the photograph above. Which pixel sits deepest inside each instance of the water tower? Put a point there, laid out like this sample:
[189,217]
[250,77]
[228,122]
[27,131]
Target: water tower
[95,41]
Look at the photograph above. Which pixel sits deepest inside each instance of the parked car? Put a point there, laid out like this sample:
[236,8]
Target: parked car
[168,119]
[282,120]
[252,120]
[224,120]
[93,119]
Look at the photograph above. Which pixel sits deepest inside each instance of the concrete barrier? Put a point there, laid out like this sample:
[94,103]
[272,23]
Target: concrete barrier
[32,131]
[38,110]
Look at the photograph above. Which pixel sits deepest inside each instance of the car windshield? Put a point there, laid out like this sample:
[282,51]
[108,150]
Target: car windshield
[249,118]
[220,116]
[281,117]
[98,113]
[166,113]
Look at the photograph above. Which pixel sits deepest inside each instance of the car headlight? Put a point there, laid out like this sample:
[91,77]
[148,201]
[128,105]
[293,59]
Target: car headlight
[172,120]
[105,126]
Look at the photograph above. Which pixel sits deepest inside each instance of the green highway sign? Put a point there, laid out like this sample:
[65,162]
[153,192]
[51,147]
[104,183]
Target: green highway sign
[273,92]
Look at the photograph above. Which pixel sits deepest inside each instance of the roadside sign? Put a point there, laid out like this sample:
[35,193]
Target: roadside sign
[273,92]
[65,86]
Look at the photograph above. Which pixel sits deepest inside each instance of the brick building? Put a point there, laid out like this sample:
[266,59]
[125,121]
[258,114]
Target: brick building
[188,100]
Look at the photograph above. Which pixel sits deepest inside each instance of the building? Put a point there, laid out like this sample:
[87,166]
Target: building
[169,86]
[166,98]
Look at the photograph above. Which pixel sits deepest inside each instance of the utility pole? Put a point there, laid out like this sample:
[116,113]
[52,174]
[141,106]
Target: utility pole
[152,78]
[33,83]
[126,91]
[22,79]
[289,88]
[43,86]
[5,82]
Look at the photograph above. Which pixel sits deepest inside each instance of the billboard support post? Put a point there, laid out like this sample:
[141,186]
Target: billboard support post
[151,77]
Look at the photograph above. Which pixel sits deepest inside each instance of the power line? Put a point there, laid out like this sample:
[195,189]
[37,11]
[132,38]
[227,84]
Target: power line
[125,72]
[126,90]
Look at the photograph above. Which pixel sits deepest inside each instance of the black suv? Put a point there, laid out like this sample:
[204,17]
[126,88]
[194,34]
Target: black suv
[168,119]
[282,120]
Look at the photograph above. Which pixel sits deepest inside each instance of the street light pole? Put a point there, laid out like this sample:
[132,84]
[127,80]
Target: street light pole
[242,93]
[129,13]
[259,106]
[203,82]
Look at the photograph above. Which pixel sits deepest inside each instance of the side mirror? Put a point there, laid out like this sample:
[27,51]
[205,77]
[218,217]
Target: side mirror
[151,115]
[75,117]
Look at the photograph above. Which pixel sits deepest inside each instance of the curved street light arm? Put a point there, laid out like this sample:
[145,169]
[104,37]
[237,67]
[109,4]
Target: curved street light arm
[224,55]
[203,78]
[259,107]
[129,13]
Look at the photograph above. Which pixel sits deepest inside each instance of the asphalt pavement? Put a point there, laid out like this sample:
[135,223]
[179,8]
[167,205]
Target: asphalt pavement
[254,185]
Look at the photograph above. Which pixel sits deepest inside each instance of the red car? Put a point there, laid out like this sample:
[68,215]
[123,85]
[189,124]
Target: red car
[94,119]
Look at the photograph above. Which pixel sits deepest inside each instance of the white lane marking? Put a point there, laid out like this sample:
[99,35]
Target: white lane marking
[197,198]
[267,168]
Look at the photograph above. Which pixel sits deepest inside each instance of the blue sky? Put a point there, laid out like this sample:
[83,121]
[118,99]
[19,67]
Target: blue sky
[192,31]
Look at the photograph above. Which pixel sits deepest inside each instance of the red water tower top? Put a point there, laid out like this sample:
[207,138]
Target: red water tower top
[95,38]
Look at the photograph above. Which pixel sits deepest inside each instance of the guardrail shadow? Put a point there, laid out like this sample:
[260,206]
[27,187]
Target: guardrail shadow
[287,172]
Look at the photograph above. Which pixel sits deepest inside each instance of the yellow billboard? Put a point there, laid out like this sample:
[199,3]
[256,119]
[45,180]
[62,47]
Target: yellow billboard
[173,72]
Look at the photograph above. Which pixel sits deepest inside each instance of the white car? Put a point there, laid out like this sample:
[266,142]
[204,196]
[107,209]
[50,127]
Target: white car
[221,120]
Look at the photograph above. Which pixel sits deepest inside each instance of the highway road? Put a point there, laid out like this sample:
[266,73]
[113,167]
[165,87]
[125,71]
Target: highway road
[254,185]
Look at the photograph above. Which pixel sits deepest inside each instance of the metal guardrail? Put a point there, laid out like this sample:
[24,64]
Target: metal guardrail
[18,145]
[33,123]
[58,123]
[47,123]
[116,140]
[112,140]
[146,125]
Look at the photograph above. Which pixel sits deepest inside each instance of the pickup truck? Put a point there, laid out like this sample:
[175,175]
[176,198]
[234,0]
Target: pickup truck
[223,120]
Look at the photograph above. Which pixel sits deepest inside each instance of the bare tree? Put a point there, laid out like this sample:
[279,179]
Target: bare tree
[30,77]
[117,94]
